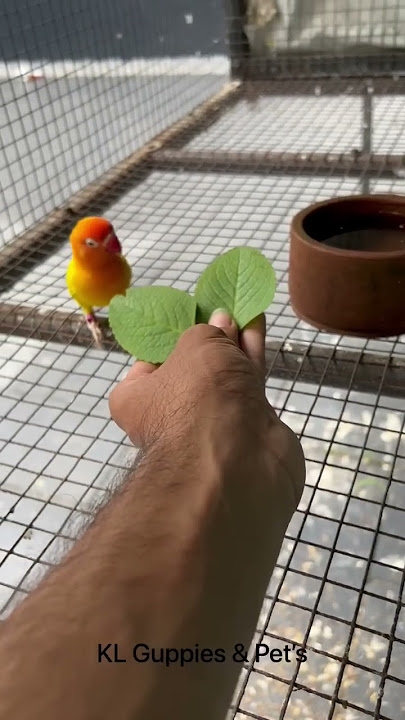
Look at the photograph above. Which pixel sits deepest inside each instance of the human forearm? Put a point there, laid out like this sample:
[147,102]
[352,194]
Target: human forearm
[122,583]
[180,556]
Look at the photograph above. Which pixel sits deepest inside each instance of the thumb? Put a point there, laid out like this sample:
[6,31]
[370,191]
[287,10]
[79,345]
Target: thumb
[222,319]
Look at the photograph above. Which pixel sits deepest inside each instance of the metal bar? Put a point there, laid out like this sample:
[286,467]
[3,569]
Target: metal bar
[338,370]
[235,18]
[255,87]
[313,362]
[45,236]
[367,131]
[45,324]
[262,163]
[306,65]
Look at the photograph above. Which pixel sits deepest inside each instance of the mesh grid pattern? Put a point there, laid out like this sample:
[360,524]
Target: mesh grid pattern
[173,225]
[388,126]
[338,586]
[329,28]
[59,453]
[292,124]
[298,39]
[44,162]
[65,122]
[338,577]
[338,582]
[306,125]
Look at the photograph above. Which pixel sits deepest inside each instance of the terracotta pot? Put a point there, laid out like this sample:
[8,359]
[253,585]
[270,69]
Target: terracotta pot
[347,265]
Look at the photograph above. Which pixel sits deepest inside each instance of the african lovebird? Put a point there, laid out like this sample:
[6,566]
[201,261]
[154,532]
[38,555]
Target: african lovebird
[97,270]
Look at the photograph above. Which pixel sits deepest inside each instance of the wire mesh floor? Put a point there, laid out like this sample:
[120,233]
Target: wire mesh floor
[338,586]
[306,124]
[62,132]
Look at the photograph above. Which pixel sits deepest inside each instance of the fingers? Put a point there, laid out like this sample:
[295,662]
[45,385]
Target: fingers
[252,342]
[221,319]
[133,398]
[251,339]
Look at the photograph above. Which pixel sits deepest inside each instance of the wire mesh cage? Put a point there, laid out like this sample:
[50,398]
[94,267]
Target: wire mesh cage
[316,37]
[196,130]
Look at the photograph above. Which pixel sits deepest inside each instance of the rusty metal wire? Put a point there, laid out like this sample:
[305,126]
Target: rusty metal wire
[223,165]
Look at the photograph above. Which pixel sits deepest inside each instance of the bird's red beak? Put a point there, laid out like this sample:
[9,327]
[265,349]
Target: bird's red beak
[113,244]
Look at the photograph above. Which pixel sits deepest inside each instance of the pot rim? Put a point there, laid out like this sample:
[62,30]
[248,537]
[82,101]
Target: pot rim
[380,199]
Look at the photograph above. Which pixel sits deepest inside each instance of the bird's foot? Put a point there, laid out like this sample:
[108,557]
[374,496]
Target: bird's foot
[95,330]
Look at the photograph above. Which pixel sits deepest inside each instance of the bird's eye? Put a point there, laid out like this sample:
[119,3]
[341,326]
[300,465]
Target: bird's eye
[90,242]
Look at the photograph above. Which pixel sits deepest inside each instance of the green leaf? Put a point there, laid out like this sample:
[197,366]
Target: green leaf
[242,281]
[148,321]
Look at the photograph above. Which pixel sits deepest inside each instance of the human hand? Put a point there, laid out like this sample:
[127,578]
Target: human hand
[211,390]
[223,477]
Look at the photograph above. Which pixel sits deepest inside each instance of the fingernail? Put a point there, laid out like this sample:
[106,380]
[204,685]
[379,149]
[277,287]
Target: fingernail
[221,318]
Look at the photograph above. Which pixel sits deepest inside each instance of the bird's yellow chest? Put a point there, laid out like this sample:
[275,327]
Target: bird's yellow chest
[92,287]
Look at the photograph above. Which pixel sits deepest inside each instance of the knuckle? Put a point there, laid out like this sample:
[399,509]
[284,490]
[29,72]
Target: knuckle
[198,334]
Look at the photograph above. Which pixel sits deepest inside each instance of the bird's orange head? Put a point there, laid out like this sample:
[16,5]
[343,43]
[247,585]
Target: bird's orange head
[93,241]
